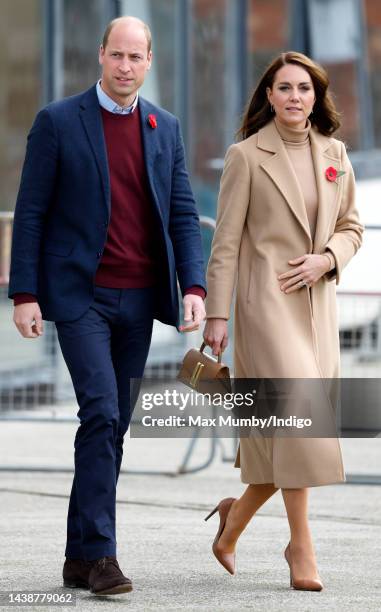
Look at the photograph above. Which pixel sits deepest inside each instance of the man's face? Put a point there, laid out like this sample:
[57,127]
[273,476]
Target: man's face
[125,61]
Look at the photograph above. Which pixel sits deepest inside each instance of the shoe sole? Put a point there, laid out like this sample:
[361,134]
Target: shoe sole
[75,585]
[116,590]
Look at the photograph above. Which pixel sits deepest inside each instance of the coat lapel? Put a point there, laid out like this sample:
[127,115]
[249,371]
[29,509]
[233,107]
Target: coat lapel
[328,192]
[281,171]
[90,114]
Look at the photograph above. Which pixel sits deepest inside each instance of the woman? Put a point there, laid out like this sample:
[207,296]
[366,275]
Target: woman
[287,222]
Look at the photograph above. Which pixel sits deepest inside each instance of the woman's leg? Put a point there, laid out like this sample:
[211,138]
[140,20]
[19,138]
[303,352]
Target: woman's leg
[301,545]
[242,511]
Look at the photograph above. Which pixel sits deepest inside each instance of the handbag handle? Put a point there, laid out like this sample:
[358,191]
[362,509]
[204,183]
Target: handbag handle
[219,356]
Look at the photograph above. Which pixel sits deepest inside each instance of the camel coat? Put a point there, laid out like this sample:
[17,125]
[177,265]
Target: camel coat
[261,224]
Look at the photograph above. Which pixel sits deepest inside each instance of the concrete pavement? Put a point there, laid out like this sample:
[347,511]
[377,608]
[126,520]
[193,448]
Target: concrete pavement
[164,545]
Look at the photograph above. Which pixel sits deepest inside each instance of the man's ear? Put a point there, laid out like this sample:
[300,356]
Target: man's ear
[101,54]
[149,58]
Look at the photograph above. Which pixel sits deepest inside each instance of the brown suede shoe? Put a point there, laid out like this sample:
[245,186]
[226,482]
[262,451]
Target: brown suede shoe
[106,578]
[76,573]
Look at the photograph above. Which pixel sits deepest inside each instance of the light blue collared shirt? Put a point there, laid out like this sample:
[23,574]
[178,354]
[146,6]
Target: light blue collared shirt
[110,105]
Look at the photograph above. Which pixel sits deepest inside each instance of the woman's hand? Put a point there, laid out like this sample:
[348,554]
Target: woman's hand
[307,268]
[216,335]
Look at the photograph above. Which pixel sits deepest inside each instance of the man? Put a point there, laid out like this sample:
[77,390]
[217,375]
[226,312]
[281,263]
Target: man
[104,219]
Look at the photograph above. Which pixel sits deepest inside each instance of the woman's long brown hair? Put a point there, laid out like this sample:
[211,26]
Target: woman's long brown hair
[258,112]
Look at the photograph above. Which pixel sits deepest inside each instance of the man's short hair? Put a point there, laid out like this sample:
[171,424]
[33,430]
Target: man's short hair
[110,26]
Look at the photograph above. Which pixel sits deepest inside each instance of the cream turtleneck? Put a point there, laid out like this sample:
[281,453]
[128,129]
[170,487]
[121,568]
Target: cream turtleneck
[298,147]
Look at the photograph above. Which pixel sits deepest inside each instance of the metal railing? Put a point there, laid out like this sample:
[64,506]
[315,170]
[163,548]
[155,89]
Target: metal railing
[360,339]
[44,363]
[6,222]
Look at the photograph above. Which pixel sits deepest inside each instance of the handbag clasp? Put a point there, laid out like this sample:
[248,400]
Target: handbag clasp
[196,374]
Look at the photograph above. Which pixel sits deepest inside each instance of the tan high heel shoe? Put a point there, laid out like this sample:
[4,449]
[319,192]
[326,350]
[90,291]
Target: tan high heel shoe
[227,560]
[303,584]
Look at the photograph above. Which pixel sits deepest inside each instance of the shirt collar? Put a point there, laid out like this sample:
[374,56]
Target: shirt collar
[110,105]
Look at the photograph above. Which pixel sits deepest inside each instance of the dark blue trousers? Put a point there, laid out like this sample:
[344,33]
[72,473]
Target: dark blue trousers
[103,349]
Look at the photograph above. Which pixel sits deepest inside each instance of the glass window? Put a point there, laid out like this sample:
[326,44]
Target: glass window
[83,26]
[21,89]
[372,14]
[208,99]
[339,34]
[193,75]
[269,33]
[160,84]
[335,39]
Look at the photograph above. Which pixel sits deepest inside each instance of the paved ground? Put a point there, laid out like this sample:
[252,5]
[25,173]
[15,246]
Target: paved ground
[164,544]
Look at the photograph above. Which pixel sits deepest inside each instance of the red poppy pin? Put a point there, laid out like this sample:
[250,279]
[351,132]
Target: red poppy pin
[331,174]
[152,121]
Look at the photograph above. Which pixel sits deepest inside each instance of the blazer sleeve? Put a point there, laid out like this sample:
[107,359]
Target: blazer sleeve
[232,208]
[347,236]
[35,193]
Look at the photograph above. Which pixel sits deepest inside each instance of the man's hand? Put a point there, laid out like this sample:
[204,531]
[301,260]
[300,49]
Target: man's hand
[307,268]
[194,312]
[216,335]
[28,320]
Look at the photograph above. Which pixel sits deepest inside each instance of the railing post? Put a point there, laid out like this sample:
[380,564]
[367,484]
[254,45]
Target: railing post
[6,222]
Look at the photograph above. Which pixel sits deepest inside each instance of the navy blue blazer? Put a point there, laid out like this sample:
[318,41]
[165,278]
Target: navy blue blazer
[63,208]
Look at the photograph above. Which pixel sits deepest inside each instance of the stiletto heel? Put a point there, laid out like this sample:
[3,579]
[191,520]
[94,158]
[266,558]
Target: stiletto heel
[211,513]
[303,584]
[227,560]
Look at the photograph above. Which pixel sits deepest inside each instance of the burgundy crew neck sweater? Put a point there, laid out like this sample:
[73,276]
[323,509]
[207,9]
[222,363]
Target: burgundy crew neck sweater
[130,255]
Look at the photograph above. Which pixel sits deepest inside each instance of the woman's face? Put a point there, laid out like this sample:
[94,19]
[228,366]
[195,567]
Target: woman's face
[292,95]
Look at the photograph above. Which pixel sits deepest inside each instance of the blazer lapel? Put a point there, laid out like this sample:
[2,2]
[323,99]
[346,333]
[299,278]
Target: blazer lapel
[90,114]
[281,171]
[328,192]
[151,144]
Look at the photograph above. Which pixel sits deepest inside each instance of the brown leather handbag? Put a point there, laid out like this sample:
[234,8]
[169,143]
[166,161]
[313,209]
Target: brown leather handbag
[204,373]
